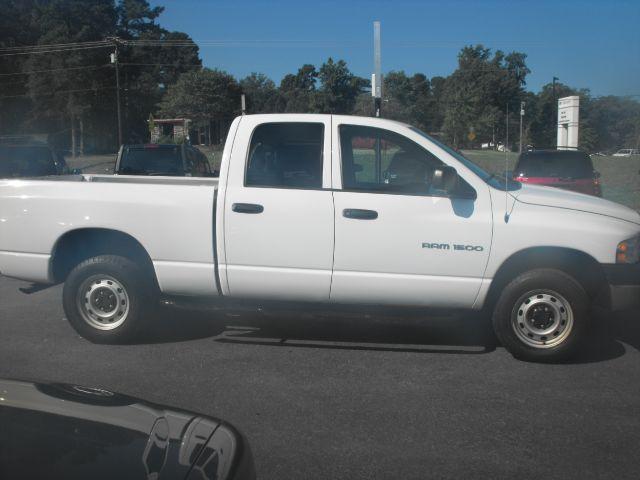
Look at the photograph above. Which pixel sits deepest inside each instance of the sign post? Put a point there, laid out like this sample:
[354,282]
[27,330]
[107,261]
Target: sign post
[521,118]
[376,78]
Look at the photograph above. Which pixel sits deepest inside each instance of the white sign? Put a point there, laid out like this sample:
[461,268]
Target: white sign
[376,85]
[568,122]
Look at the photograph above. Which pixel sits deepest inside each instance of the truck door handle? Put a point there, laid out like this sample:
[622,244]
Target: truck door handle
[359,214]
[247,208]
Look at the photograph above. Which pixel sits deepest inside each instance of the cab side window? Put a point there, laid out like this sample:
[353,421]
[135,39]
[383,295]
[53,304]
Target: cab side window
[377,160]
[286,155]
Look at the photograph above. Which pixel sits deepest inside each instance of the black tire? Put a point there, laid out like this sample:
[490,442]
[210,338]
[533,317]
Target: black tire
[515,318]
[138,300]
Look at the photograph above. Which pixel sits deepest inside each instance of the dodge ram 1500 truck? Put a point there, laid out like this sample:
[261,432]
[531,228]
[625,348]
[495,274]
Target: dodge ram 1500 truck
[326,208]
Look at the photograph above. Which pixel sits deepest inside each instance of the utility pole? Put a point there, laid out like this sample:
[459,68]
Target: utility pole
[555,105]
[493,136]
[521,118]
[506,140]
[114,60]
[376,78]
[243,104]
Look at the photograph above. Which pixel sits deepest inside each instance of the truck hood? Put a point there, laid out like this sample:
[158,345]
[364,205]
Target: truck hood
[557,198]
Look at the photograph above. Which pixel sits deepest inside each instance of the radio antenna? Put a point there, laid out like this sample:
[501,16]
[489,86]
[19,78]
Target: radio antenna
[506,169]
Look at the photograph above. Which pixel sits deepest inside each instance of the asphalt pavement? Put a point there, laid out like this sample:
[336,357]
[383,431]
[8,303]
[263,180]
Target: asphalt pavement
[360,396]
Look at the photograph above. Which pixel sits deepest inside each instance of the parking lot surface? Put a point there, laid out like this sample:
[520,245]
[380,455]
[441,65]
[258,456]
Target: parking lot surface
[360,396]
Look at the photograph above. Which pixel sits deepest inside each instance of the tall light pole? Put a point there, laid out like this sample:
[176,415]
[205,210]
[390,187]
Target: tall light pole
[521,117]
[376,78]
[114,60]
[555,105]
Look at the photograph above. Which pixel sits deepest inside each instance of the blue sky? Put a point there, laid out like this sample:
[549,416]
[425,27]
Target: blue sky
[590,44]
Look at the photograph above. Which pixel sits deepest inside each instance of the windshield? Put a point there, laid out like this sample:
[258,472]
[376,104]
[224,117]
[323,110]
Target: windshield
[24,161]
[151,161]
[494,179]
[557,164]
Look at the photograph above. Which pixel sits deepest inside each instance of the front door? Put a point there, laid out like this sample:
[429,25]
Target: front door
[398,239]
[278,212]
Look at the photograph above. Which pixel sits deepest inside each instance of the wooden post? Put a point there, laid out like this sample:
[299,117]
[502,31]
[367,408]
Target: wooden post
[73,137]
[81,137]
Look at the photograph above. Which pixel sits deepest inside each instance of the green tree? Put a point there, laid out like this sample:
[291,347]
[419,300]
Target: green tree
[63,91]
[152,65]
[410,100]
[202,95]
[298,91]
[17,28]
[339,88]
[74,91]
[479,91]
[616,121]
[260,92]
[364,105]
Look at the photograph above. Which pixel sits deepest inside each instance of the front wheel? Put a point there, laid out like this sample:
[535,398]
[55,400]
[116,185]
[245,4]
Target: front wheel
[107,299]
[542,316]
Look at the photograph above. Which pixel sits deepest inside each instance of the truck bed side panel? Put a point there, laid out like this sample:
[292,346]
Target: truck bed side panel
[172,219]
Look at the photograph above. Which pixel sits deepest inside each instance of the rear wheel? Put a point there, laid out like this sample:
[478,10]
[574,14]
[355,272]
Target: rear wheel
[107,299]
[542,315]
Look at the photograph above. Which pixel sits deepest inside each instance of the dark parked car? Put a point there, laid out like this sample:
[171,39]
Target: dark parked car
[568,169]
[60,431]
[162,159]
[19,161]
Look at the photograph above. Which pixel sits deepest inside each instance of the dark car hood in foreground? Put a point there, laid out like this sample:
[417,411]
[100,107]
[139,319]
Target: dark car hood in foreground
[68,431]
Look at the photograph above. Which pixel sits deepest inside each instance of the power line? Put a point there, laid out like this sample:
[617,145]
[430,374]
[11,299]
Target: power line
[163,64]
[50,45]
[87,67]
[58,50]
[60,92]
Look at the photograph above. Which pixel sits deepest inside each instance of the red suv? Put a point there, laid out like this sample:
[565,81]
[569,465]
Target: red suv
[569,169]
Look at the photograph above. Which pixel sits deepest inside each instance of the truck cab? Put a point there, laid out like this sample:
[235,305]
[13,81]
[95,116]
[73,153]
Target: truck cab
[346,207]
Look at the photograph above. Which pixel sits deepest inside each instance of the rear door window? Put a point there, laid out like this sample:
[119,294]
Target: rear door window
[286,155]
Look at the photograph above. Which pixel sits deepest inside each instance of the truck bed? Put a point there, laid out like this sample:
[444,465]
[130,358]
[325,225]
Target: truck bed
[172,217]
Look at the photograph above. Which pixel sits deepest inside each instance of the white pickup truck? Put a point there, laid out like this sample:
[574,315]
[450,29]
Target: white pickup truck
[326,208]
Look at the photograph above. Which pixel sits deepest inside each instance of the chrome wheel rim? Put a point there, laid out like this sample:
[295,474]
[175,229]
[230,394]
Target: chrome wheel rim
[103,302]
[542,319]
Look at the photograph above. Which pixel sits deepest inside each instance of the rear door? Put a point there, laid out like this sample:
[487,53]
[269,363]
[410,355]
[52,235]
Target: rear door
[399,240]
[278,209]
